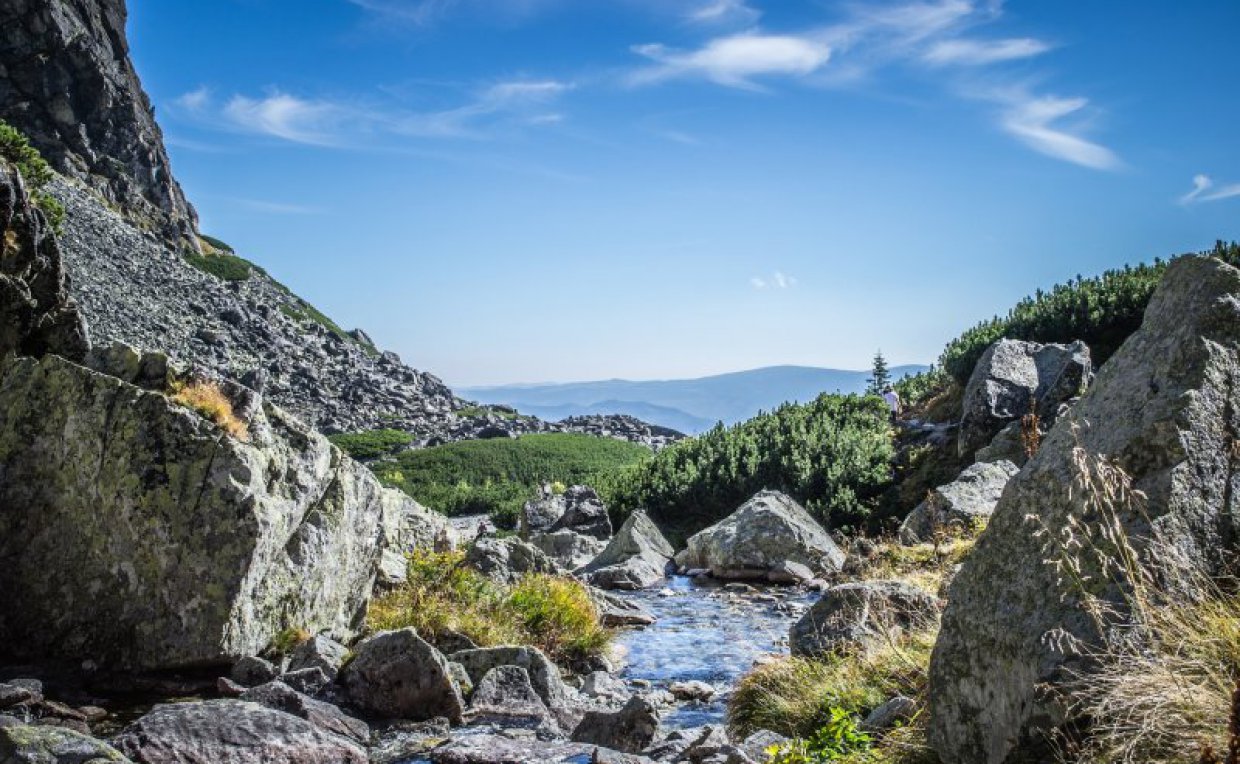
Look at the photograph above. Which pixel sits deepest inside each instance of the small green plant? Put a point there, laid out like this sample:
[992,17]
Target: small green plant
[289,639]
[838,738]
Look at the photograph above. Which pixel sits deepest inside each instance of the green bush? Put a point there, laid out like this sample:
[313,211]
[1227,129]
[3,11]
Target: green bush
[215,243]
[832,454]
[497,476]
[443,596]
[373,444]
[835,740]
[16,148]
[223,266]
[1102,311]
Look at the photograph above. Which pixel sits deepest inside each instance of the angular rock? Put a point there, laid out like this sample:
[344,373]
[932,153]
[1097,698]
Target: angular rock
[544,676]
[319,652]
[584,513]
[568,549]
[615,610]
[788,572]
[1162,410]
[539,514]
[308,680]
[764,532]
[862,616]
[506,560]
[895,711]
[601,684]
[190,547]
[959,505]
[756,745]
[628,730]
[24,744]
[635,558]
[506,697]
[398,675]
[686,744]
[325,716]
[499,749]
[231,732]
[1013,375]
[252,671]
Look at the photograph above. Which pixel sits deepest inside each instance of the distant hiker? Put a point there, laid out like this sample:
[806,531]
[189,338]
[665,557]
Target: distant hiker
[893,402]
[443,541]
[482,529]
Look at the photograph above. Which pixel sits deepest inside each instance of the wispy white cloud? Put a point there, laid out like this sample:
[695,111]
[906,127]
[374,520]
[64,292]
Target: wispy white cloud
[778,280]
[339,122]
[1204,190]
[1037,121]
[962,52]
[724,11]
[736,60]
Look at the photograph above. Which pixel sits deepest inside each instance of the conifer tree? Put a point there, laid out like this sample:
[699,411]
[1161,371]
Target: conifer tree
[880,377]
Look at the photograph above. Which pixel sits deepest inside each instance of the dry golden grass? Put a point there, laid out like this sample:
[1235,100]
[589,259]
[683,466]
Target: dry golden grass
[209,400]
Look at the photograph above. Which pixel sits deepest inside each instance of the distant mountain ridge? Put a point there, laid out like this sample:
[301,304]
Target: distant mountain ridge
[688,405]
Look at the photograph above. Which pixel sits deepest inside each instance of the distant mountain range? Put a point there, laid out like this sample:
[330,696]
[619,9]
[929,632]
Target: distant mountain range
[688,405]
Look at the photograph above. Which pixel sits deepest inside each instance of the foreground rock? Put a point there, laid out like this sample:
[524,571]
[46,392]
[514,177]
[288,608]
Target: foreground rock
[231,732]
[23,744]
[1163,409]
[628,730]
[1013,378]
[765,532]
[325,716]
[862,616]
[189,546]
[961,504]
[396,674]
[636,558]
[506,697]
[543,675]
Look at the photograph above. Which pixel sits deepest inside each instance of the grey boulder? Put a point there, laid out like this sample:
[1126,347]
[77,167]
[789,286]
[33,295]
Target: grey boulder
[506,560]
[862,616]
[543,675]
[629,730]
[636,557]
[961,504]
[23,744]
[321,652]
[325,716]
[506,697]
[763,533]
[396,674]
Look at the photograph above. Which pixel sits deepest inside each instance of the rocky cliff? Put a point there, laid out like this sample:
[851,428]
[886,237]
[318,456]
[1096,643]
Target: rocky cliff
[66,81]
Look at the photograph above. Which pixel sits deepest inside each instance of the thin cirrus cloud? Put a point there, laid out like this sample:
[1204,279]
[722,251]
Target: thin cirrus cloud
[1037,121]
[724,12]
[736,60]
[339,123]
[778,280]
[1204,190]
[983,52]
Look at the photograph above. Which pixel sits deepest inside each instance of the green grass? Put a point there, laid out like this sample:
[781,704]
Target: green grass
[440,596]
[373,444]
[225,267]
[497,476]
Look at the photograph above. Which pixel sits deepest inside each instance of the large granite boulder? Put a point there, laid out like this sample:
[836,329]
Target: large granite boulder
[628,730]
[764,532]
[188,546]
[568,549]
[1014,377]
[69,85]
[396,674]
[231,732]
[507,698]
[506,560]
[42,744]
[584,513]
[1162,410]
[543,675]
[636,557]
[862,616]
[37,315]
[959,505]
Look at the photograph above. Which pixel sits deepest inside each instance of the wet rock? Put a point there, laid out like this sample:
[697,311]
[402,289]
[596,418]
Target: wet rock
[506,697]
[1011,378]
[959,505]
[396,674]
[692,690]
[601,684]
[685,744]
[506,560]
[862,615]
[325,716]
[500,749]
[231,732]
[619,611]
[24,744]
[319,652]
[637,557]
[628,730]
[764,532]
[1162,411]
[252,671]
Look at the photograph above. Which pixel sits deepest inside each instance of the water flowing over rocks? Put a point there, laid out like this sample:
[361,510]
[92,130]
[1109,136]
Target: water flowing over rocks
[1014,378]
[1164,410]
[957,506]
[763,533]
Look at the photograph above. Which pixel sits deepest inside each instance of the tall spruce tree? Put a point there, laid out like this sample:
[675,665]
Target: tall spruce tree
[880,377]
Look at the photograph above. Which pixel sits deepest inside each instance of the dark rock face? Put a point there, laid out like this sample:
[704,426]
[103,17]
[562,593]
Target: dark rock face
[325,716]
[1013,378]
[66,81]
[506,697]
[37,315]
[231,732]
[20,744]
[398,675]
[1163,410]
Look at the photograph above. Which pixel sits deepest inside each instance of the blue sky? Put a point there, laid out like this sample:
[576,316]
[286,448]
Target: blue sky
[534,190]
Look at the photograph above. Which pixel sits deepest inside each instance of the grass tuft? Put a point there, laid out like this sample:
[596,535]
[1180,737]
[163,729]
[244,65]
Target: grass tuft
[209,400]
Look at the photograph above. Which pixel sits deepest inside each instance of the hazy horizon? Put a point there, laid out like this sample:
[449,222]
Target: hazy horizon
[669,189]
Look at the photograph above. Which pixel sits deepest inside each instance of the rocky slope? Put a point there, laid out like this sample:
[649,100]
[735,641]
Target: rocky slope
[66,81]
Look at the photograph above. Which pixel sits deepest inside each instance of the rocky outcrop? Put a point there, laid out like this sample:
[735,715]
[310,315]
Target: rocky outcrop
[543,674]
[636,558]
[396,674]
[571,528]
[862,616]
[325,716]
[69,85]
[1014,378]
[37,315]
[506,697]
[506,560]
[764,532]
[959,505]
[1163,410]
[187,546]
[231,732]
[28,744]
[628,730]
